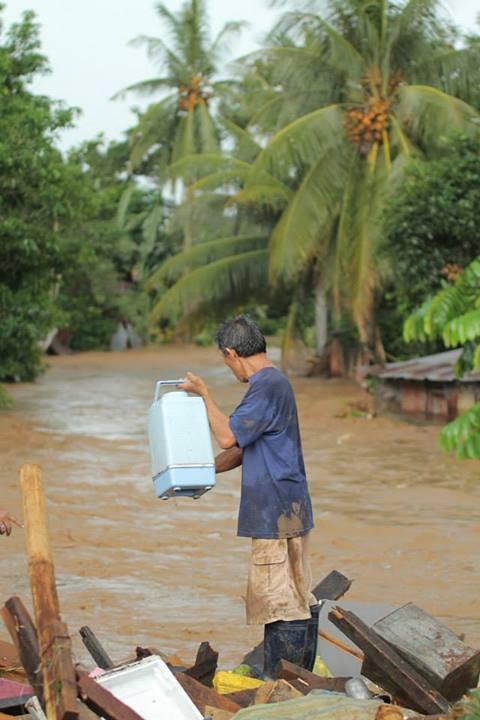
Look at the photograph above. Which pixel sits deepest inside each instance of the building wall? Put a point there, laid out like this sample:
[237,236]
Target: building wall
[425,400]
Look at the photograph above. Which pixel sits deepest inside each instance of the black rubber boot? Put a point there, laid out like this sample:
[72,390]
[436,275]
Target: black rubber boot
[293,640]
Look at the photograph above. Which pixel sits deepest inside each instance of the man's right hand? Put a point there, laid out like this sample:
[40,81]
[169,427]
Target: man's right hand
[6,522]
[194,384]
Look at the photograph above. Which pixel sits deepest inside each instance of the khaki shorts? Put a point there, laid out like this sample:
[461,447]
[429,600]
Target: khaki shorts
[279,581]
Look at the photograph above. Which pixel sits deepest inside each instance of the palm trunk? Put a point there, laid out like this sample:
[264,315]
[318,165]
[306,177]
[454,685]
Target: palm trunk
[371,339]
[188,224]
[321,319]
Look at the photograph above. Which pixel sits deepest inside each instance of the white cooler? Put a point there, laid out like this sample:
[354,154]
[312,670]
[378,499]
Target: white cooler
[183,464]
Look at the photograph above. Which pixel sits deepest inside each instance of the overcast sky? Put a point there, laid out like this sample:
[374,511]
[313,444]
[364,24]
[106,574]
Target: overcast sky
[86,42]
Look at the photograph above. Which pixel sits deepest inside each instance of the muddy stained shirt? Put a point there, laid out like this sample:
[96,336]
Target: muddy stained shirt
[275,502]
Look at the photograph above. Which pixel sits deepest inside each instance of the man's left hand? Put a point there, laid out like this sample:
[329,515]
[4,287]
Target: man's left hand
[194,384]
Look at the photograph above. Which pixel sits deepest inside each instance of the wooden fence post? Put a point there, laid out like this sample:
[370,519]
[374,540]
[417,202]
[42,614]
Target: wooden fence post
[54,643]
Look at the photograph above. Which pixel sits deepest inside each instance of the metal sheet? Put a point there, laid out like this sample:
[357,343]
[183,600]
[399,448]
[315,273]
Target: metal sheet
[434,368]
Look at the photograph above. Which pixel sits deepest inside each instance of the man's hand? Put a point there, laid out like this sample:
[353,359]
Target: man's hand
[6,523]
[194,384]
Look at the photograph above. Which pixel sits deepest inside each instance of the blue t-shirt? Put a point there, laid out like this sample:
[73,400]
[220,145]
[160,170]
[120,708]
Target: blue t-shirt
[275,502]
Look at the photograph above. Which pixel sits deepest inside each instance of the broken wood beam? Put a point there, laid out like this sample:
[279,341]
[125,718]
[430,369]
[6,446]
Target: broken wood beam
[291,672]
[244,698]
[59,684]
[449,665]
[24,635]
[95,648]
[202,696]
[101,701]
[332,587]
[205,665]
[420,695]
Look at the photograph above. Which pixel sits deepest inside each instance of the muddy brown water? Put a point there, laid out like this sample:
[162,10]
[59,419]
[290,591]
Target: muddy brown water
[391,510]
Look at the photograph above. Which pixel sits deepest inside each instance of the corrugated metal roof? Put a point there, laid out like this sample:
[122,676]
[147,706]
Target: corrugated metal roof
[436,368]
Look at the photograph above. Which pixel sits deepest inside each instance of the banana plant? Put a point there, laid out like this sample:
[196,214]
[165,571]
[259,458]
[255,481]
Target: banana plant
[453,315]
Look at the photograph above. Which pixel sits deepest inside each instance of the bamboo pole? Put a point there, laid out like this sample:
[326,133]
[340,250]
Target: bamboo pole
[59,677]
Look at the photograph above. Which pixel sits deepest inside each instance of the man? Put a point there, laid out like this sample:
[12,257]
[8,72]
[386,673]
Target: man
[263,435]
[6,523]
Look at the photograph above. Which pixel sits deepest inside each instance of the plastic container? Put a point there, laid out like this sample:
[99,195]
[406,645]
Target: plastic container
[183,464]
[150,688]
[226,682]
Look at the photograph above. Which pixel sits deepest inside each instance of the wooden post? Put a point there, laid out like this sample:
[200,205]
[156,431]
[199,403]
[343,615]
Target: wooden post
[22,630]
[57,667]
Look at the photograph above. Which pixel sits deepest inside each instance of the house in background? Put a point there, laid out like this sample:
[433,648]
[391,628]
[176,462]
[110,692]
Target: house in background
[425,388]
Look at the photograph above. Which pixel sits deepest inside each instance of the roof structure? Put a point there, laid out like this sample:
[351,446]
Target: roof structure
[434,368]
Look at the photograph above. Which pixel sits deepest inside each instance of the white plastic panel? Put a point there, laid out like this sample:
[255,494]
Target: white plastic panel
[149,688]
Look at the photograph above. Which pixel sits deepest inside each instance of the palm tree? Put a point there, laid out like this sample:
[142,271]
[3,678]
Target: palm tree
[351,98]
[375,60]
[180,122]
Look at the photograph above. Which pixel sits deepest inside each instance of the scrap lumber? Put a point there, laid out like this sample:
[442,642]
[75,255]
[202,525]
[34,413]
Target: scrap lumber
[309,681]
[421,696]
[24,635]
[205,665]
[202,696]
[450,666]
[55,650]
[244,698]
[276,691]
[10,664]
[95,648]
[101,701]
[332,587]
[216,714]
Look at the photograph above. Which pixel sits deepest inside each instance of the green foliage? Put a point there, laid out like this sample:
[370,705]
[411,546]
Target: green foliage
[5,399]
[33,202]
[462,435]
[454,315]
[431,221]
[322,187]
[472,706]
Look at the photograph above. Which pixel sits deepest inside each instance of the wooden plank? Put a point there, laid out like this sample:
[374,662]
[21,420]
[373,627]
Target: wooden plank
[419,693]
[450,666]
[59,690]
[244,698]
[205,666]
[332,587]
[101,701]
[95,648]
[202,696]
[23,633]
[291,672]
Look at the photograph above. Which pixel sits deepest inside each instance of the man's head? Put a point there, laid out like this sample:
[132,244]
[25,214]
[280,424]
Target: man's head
[239,340]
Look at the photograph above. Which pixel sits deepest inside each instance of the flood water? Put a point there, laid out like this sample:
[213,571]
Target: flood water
[392,511]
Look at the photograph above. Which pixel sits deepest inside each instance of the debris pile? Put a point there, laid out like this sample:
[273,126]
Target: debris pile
[374,662]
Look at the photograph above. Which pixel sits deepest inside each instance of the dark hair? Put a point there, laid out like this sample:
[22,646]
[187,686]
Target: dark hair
[242,335]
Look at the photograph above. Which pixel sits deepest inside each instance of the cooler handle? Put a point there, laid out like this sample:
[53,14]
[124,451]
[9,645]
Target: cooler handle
[159,384]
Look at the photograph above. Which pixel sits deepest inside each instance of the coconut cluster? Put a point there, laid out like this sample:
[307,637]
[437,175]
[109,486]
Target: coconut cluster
[366,125]
[193,94]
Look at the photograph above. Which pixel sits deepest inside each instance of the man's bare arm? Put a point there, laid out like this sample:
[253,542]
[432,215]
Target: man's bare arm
[228,459]
[219,422]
